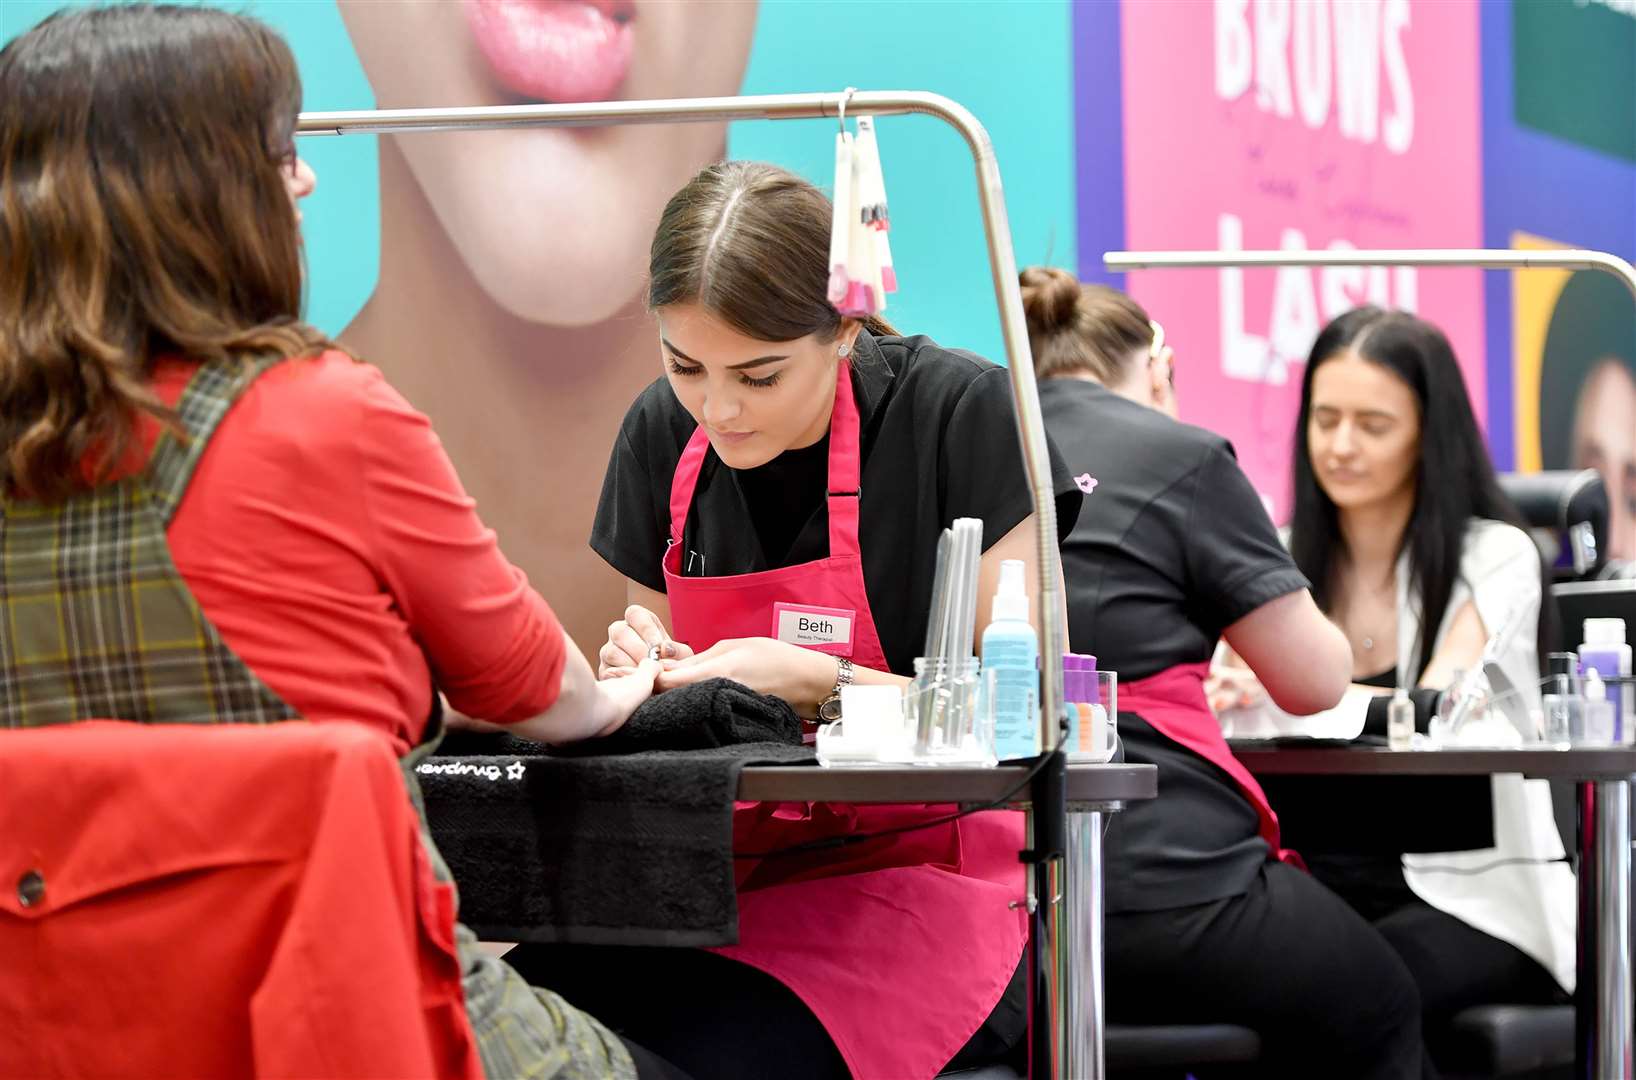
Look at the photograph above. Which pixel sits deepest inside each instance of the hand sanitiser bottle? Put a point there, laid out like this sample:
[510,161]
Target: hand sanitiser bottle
[1598,711]
[1011,650]
[1400,721]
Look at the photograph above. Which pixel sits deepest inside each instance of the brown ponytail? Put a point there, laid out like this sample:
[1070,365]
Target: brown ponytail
[1076,329]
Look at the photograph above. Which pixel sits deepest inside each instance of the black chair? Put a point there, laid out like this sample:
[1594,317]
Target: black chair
[1173,1051]
[1520,1042]
[1159,1052]
[1532,1041]
[982,1072]
[1567,512]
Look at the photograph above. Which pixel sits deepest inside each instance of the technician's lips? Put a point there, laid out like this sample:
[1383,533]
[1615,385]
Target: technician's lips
[555,50]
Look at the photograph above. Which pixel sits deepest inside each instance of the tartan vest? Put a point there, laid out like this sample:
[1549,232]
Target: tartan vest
[96,622]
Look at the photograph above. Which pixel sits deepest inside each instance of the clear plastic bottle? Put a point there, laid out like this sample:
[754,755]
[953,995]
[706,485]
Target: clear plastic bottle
[1400,721]
[1605,649]
[1598,710]
[1561,704]
[1011,650]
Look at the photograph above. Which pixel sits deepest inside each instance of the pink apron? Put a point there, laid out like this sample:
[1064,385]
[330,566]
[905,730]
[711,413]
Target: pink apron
[1174,703]
[900,946]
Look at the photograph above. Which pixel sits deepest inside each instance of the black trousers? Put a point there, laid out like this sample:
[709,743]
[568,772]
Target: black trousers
[1454,965]
[717,1019]
[650,1066]
[1288,958]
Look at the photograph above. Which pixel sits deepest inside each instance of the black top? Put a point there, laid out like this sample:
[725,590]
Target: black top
[938,439]
[1384,680]
[1172,547]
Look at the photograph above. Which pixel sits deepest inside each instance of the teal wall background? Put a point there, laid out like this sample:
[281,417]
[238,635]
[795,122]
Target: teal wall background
[1010,63]
[1007,60]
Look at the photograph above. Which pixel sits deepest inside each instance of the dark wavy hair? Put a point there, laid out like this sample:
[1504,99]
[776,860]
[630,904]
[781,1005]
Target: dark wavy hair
[143,212]
[1454,478]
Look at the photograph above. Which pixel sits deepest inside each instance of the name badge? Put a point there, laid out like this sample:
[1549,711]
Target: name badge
[826,630]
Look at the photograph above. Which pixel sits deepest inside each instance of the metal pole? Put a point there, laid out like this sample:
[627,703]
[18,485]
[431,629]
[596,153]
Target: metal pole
[1050,956]
[1613,987]
[1476,258]
[1083,920]
[611,113]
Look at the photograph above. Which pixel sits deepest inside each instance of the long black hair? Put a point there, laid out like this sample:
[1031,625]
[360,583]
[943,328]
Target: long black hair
[1454,479]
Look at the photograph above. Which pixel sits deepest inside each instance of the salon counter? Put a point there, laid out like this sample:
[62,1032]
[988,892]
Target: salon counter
[1601,775]
[1091,791]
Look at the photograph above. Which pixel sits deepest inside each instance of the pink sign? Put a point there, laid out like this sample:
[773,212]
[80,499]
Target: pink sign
[1255,124]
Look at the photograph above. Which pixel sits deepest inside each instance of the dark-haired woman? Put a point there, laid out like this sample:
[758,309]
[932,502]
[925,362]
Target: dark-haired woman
[215,515]
[788,461]
[1413,550]
[1207,922]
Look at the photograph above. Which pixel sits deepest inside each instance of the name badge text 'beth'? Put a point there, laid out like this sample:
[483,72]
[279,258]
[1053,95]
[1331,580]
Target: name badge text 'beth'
[824,629]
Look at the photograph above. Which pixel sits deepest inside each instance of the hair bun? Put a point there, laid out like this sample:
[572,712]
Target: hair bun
[1050,297]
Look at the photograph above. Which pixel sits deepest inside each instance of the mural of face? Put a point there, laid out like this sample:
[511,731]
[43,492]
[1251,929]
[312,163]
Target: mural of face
[1604,439]
[554,223]
[509,306]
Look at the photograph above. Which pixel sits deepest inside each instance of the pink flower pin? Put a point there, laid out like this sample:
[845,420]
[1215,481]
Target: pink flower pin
[1086,482]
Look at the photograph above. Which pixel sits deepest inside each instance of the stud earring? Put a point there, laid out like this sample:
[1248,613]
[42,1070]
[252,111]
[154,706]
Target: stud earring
[844,349]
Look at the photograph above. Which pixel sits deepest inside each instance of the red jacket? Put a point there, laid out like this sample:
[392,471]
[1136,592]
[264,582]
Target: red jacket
[220,901]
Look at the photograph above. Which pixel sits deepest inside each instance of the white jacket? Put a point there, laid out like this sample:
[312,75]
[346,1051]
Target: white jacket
[1526,899]
[1530,904]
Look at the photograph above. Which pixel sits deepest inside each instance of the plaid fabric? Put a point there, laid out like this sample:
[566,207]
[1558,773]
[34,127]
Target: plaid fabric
[527,1031]
[97,623]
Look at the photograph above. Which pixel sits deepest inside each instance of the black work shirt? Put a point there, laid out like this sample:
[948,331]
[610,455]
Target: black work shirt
[1172,547]
[938,438]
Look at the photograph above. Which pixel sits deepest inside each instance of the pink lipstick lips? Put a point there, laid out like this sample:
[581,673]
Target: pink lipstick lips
[555,50]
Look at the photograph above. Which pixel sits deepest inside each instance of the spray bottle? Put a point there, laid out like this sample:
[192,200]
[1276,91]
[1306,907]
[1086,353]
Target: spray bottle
[1011,650]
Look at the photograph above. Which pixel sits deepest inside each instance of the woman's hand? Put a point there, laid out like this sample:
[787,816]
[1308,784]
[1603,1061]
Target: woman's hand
[1233,688]
[619,695]
[800,676]
[629,640]
[586,707]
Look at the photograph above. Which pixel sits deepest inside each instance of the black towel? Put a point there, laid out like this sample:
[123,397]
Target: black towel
[625,840]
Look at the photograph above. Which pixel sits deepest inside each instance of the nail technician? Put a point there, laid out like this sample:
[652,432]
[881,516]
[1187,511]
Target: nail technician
[775,502]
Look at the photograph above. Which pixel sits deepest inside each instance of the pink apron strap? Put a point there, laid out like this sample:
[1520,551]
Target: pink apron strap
[1174,703]
[844,467]
[684,480]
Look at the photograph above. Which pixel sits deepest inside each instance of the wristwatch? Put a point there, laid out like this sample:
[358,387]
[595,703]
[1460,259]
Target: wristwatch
[829,709]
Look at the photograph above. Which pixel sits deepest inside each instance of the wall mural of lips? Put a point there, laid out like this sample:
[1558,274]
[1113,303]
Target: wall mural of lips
[555,50]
